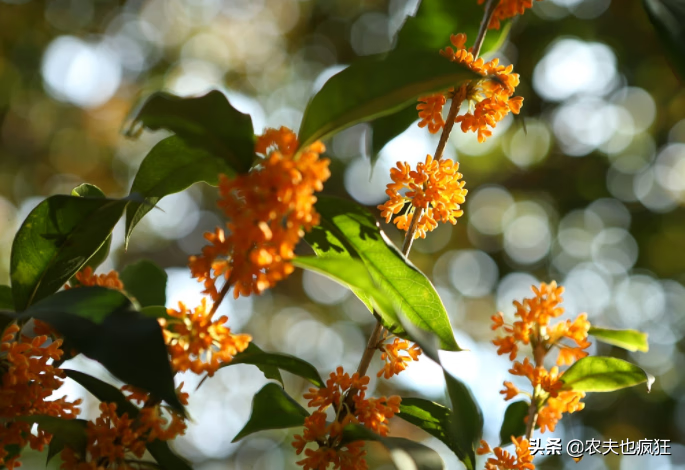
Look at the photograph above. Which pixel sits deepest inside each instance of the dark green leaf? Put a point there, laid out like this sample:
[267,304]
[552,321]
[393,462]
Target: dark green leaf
[371,88]
[155,311]
[407,287]
[145,282]
[56,240]
[99,323]
[65,433]
[514,422]
[352,273]
[272,408]
[209,122]
[171,167]
[89,190]
[109,394]
[386,128]
[286,362]
[269,371]
[627,339]
[5,319]
[668,18]
[6,302]
[604,374]
[405,454]
[467,418]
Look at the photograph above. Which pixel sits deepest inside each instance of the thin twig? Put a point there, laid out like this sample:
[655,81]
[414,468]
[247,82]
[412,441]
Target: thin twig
[532,416]
[371,346]
[222,295]
[489,10]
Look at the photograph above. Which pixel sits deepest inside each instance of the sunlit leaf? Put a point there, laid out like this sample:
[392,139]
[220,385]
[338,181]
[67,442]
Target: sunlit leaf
[146,282]
[514,422]
[272,408]
[172,166]
[631,340]
[604,374]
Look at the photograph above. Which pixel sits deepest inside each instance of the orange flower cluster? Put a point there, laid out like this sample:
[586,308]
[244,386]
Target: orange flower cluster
[533,328]
[490,98]
[395,361]
[113,439]
[269,209]
[503,460]
[507,9]
[87,278]
[347,396]
[198,343]
[435,186]
[26,383]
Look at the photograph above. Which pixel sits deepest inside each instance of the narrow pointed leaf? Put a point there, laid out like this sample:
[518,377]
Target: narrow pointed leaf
[371,88]
[514,422]
[208,122]
[65,433]
[631,340]
[56,240]
[172,166]
[604,374]
[668,18]
[272,408]
[145,282]
[407,287]
[467,418]
[6,301]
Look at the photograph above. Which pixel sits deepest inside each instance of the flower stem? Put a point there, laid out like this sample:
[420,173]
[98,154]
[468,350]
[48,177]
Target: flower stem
[222,295]
[482,31]
[532,415]
[370,350]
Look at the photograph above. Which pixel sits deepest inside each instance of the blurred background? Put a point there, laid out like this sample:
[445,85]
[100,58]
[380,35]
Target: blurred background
[591,195]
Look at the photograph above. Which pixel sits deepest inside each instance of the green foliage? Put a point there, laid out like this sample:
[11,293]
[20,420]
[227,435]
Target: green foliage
[407,287]
[5,319]
[272,408]
[107,393]
[89,190]
[352,273]
[372,87]
[172,166]
[101,324]
[631,340]
[209,122]
[267,362]
[6,301]
[386,128]
[146,282]
[668,18]
[56,240]
[65,433]
[405,454]
[467,419]
[603,374]
[514,422]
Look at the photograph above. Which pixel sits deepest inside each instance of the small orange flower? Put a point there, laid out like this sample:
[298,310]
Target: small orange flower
[503,460]
[87,278]
[564,402]
[395,362]
[507,9]
[435,186]
[510,391]
[269,209]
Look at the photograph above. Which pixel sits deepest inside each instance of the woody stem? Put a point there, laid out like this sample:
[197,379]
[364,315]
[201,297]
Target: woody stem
[532,415]
[482,31]
[220,298]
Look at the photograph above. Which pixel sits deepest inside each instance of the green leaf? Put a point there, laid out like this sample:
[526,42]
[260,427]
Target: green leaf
[208,122]
[172,166]
[631,340]
[155,311]
[255,356]
[467,418]
[5,319]
[65,433]
[146,282]
[110,394]
[514,422]
[604,374]
[407,287]
[99,323]
[371,88]
[668,18]
[352,273]
[90,190]
[6,301]
[386,128]
[56,240]
[405,454]
[272,408]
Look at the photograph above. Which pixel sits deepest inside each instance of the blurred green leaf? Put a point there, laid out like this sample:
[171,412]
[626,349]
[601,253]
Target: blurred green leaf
[155,311]
[65,433]
[405,454]
[99,323]
[407,287]
[514,422]
[90,190]
[352,273]
[272,408]
[5,319]
[56,240]
[668,18]
[107,393]
[604,374]
[386,128]
[631,340]
[146,282]
[172,166]
[6,301]
[269,371]
[467,419]
[208,122]
[372,87]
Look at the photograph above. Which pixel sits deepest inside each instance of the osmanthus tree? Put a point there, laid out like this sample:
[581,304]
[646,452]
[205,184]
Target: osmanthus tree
[57,307]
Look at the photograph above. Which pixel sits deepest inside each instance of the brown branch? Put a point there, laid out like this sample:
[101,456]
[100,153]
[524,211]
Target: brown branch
[482,31]
[371,346]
